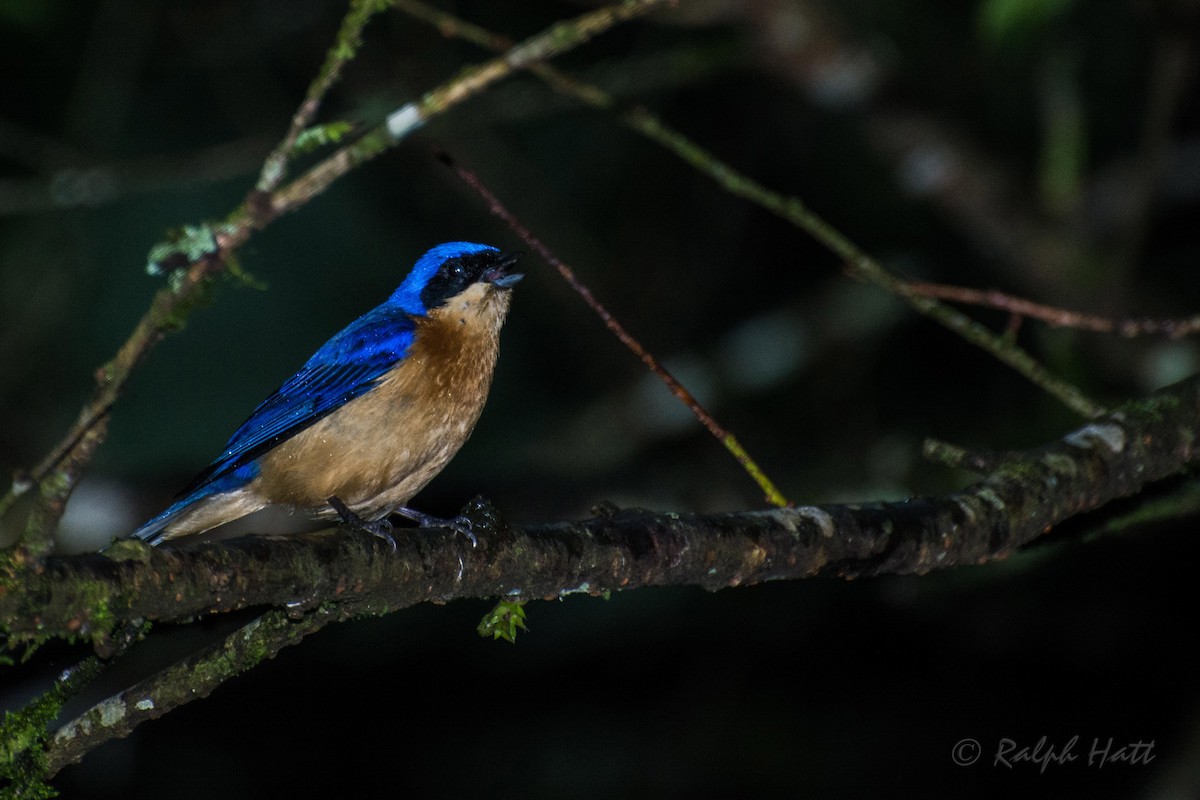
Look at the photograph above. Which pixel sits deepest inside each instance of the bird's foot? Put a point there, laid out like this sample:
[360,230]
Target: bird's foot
[379,528]
[460,524]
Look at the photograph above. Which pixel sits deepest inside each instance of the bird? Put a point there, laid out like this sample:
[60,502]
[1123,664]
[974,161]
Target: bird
[374,414]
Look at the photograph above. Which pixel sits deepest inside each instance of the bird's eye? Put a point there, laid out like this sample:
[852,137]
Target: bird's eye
[454,275]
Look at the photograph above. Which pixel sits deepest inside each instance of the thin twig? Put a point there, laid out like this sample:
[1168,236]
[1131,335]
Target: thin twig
[349,39]
[773,495]
[1058,317]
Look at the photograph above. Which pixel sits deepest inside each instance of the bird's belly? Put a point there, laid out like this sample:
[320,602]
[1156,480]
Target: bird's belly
[375,452]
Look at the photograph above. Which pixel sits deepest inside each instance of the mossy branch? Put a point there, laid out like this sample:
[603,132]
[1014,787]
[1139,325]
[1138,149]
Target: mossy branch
[26,755]
[1025,495]
[192,678]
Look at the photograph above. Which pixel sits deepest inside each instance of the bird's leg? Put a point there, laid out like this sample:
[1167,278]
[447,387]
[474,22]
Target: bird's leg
[460,524]
[379,528]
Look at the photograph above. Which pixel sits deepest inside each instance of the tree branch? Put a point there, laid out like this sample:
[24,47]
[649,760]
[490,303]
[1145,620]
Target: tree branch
[1022,498]
[192,678]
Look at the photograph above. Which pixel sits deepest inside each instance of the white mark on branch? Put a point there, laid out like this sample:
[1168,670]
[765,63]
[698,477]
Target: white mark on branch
[404,120]
[965,504]
[990,497]
[111,711]
[1111,435]
[80,727]
[251,630]
[815,515]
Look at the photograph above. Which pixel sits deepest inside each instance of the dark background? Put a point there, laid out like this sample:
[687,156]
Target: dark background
[1048,149]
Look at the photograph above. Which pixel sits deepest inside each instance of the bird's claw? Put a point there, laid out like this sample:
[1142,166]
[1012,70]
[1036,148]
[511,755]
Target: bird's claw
[382,529]
[379,528]
[461,525]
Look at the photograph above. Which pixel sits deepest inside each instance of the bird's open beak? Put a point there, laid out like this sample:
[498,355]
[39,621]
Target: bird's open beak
[498,274]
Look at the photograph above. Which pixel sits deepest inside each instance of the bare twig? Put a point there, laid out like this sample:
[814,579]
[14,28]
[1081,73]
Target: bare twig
[772,494]
[1058,317]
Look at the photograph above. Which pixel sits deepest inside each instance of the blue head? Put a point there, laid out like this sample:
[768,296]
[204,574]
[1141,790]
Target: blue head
[446,270]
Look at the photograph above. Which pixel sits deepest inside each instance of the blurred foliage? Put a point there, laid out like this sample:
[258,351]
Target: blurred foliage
[1005,21]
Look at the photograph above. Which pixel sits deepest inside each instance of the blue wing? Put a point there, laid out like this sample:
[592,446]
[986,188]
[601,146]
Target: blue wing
[347,366]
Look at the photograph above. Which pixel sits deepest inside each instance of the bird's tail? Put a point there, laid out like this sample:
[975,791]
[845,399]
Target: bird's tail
[156,531]
[208,505]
